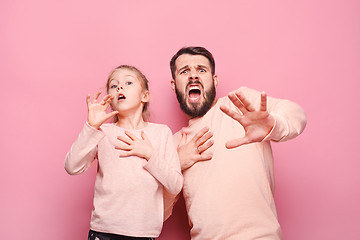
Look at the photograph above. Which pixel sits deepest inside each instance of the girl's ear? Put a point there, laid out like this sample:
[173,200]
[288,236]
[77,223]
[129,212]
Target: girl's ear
[146,97]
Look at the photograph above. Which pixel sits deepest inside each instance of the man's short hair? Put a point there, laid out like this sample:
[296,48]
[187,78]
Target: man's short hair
[192,51]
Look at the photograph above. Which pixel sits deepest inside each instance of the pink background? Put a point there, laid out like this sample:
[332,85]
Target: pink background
[53,53]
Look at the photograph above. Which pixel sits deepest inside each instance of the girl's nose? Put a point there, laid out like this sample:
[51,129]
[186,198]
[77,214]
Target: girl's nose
[119,87]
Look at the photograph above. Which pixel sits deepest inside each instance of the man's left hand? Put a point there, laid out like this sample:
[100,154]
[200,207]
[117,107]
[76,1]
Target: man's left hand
[257,122]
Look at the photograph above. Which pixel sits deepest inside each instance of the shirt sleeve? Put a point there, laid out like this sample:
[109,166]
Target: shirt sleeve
[290,118]
[83,151]
[169,203]
[164,165]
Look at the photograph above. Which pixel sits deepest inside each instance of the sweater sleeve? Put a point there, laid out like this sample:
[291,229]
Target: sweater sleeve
[290,118]
[164,165]
[169,203]
[83,151]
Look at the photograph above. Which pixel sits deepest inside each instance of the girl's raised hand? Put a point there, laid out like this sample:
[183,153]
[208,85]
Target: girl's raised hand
[97,114]
[134,146]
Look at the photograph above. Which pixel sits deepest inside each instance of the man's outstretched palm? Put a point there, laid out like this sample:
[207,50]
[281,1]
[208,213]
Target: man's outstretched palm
[256,122]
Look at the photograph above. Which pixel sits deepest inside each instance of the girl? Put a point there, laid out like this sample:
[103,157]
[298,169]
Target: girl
[136,160]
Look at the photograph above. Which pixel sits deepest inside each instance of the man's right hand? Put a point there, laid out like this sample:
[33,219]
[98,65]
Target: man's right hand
[194,150]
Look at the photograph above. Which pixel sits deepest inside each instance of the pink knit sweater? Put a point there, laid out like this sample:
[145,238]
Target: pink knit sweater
[128,197]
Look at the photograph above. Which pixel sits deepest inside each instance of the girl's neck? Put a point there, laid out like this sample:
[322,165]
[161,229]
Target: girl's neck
[131,122]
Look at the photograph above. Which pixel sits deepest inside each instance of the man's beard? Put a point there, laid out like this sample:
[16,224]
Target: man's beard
[197,109]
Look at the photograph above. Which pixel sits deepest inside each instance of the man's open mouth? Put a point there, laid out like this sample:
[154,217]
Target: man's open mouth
[194,93]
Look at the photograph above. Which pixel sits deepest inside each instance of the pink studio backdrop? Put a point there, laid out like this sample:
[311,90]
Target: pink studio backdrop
[53,53]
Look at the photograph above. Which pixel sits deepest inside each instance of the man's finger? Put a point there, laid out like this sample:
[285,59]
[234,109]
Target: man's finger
[235,100]
[204,138]
[236,143]
[244,101]
[200,134]
[234,115]
[263,104]
[205,157]
[183,139]
[205,146]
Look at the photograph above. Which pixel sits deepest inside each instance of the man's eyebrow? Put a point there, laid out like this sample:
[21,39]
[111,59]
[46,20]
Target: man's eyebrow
[186,66]
[202,66]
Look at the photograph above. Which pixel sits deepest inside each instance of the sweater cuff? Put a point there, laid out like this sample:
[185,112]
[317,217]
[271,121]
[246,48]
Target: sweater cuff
[152,166]
[279,129]
[93,133]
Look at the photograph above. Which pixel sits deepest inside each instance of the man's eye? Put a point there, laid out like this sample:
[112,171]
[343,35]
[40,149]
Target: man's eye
[202,70]
[185,71]
[128,83]
[113,86]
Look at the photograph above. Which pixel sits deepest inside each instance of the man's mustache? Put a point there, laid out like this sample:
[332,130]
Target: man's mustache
[194,82]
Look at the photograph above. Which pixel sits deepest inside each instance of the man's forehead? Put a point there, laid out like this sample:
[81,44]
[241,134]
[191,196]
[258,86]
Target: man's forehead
[191,60]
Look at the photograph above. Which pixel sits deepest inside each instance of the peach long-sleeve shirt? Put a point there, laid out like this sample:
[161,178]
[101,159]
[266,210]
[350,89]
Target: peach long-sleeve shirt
[230,197]
[128,197]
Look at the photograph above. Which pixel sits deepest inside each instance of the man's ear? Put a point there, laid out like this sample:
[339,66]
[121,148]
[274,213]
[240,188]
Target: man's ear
[146,97]
[216,80]
[173,84]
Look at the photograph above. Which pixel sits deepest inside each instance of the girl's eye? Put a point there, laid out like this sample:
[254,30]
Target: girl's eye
[128,83]
[113,86]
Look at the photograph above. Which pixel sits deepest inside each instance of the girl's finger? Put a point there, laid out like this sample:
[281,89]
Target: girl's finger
[110,115]
[131,136]
[124,139]
[126,154]
[88,100]
[124,147]
[144,137]
[104,100]
[96,96]
[107,103]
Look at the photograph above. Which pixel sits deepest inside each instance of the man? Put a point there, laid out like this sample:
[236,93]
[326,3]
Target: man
[225,152]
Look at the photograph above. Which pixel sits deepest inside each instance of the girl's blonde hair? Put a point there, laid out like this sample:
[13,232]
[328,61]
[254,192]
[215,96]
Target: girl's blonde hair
[144,83]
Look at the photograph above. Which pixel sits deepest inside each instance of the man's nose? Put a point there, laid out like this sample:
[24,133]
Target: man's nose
[193,75]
